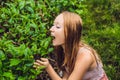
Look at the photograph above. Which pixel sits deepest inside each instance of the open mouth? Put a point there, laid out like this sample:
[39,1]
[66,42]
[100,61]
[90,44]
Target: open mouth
[53,37]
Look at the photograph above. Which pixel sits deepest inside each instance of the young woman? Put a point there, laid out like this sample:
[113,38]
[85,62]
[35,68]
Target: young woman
[75,59]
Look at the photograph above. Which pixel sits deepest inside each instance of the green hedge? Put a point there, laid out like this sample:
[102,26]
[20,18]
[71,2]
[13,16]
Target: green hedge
[24,26]
[23,31]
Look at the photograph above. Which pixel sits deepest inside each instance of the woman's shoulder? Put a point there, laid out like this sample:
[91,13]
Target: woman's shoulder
[89,55]
[85,54]
[88,50]
[84,50]
[84,47]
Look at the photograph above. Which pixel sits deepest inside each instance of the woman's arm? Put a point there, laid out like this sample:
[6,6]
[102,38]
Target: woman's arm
[52,73]
[83,63]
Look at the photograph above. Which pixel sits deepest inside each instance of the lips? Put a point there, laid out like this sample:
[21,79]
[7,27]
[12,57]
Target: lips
[53,37]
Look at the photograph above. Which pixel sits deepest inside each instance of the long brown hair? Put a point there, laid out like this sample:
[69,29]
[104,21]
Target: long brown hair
[73,31]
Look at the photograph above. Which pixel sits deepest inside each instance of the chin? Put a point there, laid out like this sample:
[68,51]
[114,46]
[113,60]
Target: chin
[55,44]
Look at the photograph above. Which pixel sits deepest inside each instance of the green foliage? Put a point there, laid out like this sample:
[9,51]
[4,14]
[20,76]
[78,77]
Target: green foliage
[24,25]
[23,29]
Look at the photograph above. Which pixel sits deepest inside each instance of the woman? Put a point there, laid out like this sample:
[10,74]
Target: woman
[77,60]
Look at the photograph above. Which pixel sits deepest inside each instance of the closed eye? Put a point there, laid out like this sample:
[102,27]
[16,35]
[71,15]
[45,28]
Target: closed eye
[58,27]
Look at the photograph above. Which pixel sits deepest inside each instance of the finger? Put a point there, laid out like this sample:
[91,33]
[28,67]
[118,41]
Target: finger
[40,62]
[44,59]
[37,64]
[34,66]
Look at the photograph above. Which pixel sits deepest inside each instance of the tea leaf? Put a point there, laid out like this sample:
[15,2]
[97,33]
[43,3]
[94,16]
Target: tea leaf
[14,62]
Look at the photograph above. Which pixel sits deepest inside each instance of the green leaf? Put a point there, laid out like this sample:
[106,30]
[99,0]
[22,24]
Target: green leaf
[21,4]
[21,78]
[30,9]
[50,50]
[5,24]
[29,64]
[9,75]
[1,30]
[0,64]
[14,62]
[3,16]
[2,55]
[34,47]
[46,44]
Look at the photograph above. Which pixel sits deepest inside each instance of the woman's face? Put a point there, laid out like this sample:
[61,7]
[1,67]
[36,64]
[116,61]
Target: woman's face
[57,31]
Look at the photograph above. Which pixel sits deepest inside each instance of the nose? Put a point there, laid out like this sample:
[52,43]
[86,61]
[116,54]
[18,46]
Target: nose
[51,29]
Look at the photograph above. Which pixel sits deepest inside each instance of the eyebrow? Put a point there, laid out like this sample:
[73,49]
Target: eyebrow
[56,23]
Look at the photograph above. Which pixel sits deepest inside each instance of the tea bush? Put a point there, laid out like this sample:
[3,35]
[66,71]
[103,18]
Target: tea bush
[23,28]
[24,33]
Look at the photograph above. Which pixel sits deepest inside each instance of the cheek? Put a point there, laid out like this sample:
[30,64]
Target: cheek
[62,40]
[61,36]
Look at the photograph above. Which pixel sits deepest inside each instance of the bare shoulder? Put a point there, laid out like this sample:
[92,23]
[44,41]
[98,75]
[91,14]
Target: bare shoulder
[85,53]
[83,62]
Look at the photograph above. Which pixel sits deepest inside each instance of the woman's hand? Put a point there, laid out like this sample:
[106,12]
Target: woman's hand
[42,62]
[50,70]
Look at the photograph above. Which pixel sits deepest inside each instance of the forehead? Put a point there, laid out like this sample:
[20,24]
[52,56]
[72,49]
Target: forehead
[59,19]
